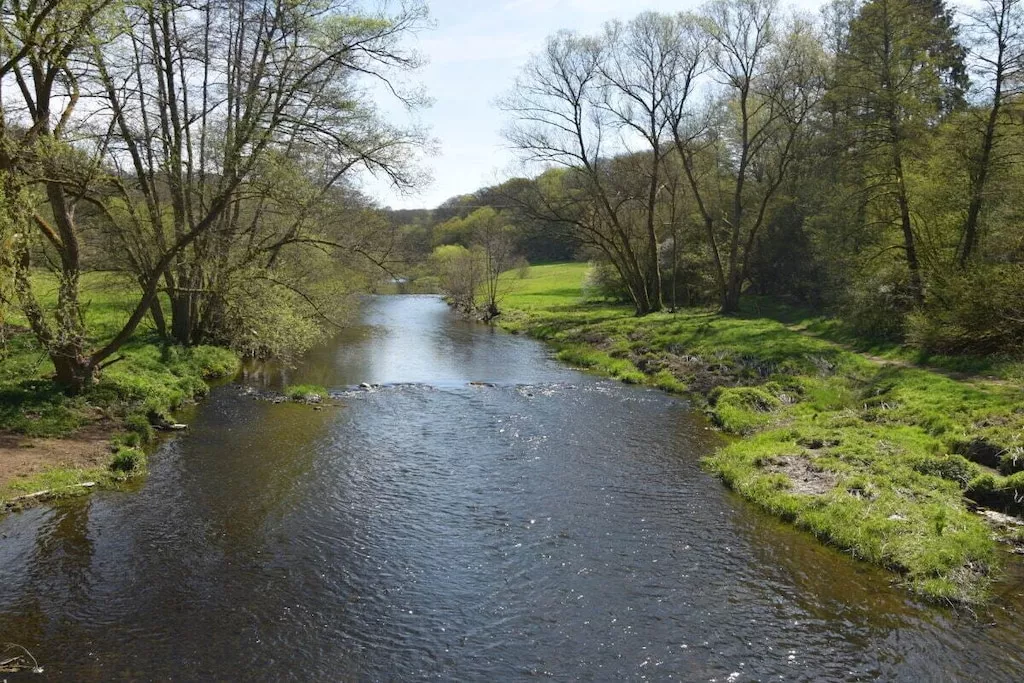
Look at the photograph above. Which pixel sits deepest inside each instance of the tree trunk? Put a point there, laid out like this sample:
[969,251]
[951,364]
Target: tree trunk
[731,294]
[181,317]
[157,312]
[979,176]
[909,241]
[653,263]
[74,372]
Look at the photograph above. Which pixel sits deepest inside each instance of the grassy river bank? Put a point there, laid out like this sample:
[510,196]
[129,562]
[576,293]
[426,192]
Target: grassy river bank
[869,451]
[53,443]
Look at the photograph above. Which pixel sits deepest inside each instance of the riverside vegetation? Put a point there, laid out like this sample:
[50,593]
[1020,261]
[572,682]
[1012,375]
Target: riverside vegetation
[150,380]
[876,455]
[176,192]
[167,207]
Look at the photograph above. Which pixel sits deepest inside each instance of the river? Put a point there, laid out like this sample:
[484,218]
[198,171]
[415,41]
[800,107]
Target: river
[554,525]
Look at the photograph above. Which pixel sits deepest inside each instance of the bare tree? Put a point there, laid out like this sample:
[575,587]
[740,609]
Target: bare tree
[586,100]
[997,33]
[771,79]
[494,238]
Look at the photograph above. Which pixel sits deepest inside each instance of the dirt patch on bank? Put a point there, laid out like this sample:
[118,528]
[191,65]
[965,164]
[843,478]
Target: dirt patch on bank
[805,478]
[22,456]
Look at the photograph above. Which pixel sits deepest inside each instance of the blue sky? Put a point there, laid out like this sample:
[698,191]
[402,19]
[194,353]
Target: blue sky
[474,53]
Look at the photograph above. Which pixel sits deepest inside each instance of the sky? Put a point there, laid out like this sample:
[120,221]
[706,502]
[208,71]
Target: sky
[474,53]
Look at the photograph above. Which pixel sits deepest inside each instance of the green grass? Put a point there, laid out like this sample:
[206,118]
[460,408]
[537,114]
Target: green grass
[126,463]
[303,392]
[880,443]
[149,378]
[148,381]
[835,330]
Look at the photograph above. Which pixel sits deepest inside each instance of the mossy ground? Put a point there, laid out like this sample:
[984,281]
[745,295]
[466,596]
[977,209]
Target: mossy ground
[149,381]
[866,453]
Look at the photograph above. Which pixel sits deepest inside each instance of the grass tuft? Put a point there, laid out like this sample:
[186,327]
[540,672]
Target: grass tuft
[306,392]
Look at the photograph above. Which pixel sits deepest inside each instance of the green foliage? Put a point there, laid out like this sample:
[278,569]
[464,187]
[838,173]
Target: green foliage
[59,482]
[128,461]
[149,378]
[975,312]
[877,305]
[459,272]
[742,410]
[859,452]
[604,282]
[536,240]
[139,425]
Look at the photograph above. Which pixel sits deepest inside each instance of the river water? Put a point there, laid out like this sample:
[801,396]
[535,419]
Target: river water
[555,525]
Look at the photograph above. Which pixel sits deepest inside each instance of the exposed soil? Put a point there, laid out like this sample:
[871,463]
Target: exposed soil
[22,456]
[801,471]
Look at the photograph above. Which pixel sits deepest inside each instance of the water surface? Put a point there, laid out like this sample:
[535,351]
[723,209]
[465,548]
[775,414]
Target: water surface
[555,525]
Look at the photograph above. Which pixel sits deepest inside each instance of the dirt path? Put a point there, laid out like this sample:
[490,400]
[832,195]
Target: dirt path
[900,363]
[22,456]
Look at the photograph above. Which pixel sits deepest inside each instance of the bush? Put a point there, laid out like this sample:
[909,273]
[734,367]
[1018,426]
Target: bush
[976,313]
[138,425]
[604,282]
[261,320]
[877,308]
[459,272]
[522,267]
[128,461]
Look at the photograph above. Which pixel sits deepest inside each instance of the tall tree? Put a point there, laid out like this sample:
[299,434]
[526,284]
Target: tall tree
[771,80]
[189,108]
[204,103]
[568,105]
[996,30]
[897,77]
[41,77]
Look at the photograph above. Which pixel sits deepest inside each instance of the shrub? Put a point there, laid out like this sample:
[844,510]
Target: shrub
[974,313]
[604,282]
[214,362]
[128,461]
[877,307]
[139,425]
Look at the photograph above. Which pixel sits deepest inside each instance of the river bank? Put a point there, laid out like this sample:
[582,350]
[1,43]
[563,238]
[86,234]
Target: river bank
[540,522]
[880,458]
[56,443]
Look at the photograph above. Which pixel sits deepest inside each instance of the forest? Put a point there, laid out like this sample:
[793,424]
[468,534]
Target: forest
[862,163]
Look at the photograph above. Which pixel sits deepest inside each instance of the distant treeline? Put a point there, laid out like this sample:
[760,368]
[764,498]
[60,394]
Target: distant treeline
[535,238]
